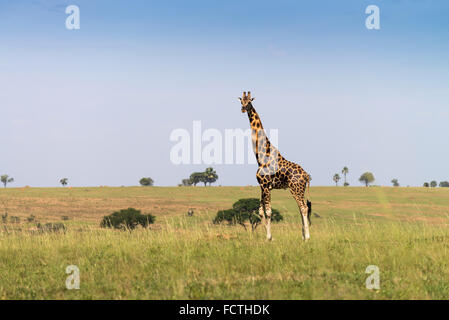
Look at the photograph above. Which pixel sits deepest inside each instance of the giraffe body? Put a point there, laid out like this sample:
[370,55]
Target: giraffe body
[275,172]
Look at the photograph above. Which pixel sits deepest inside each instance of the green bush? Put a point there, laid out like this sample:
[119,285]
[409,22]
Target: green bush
[228,216]
[245,210]
[127,219]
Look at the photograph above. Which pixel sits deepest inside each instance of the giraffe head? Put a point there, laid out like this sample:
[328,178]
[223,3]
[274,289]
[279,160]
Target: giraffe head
[246,101]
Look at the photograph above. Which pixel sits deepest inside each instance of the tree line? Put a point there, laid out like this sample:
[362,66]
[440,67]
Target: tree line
[210,176]
[433,184]
[367,178]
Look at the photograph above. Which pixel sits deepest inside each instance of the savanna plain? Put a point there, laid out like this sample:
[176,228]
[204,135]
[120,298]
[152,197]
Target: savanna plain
[402,231]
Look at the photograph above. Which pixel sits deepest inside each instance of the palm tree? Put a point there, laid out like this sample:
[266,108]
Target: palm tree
[336,178]
[345,172]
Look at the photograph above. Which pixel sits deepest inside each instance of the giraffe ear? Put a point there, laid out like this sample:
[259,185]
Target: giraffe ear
[252,99]
[240,99]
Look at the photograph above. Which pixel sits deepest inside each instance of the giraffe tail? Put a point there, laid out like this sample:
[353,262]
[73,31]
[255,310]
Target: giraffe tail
[309,203]
[308,189]
[309,211]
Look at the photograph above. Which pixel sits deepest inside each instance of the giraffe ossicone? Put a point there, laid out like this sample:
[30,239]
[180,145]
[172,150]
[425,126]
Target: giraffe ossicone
[275,172]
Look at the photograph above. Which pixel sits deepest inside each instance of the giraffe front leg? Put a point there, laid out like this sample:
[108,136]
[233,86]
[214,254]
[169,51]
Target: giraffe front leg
[262,213]
[268,224]
[266,201]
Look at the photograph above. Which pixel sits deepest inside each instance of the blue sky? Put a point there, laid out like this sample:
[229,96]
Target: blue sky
[97,105]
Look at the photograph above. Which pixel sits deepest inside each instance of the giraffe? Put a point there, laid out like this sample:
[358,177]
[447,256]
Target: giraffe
[275,172]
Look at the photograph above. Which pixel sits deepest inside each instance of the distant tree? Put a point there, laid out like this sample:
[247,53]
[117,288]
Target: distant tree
[433,183]
[64,181]
[6,179]
[367,178]
[146,182]
[210,176]
[197,177]
[426,184]
[344,172]
[336,178]
[186,182]
[444,184]
[395,182]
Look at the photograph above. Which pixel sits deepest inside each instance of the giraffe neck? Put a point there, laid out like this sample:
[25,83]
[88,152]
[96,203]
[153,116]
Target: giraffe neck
[254,119]
[261,144]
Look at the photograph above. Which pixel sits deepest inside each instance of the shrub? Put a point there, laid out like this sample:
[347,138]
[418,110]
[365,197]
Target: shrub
[127,219]
[186,182]
[65,218]
[31,218]
[228,216]
[245,210]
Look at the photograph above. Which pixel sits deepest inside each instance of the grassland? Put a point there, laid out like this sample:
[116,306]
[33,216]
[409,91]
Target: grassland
[404,231]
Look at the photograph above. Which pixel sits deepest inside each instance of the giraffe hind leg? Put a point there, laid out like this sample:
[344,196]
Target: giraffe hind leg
[305,219]
[297,191]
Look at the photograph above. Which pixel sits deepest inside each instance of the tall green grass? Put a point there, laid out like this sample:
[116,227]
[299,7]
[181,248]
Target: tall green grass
[188,259]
